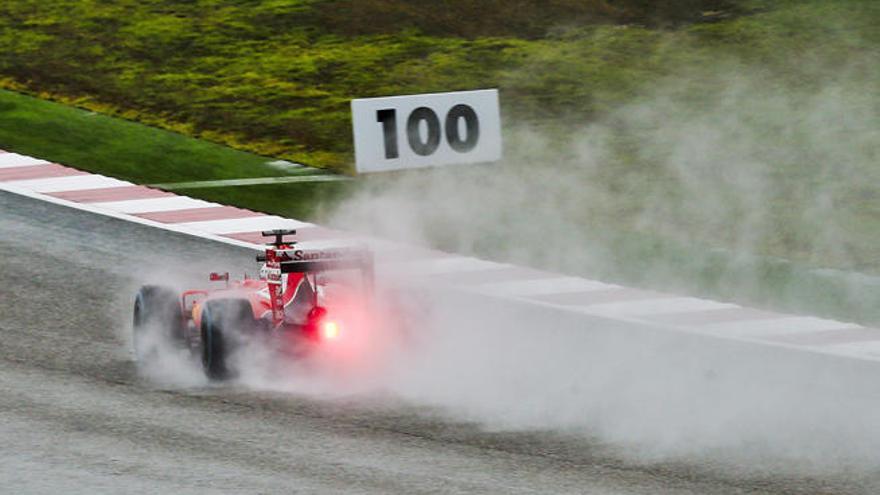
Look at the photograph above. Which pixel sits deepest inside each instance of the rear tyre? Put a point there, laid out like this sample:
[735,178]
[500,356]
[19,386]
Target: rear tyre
[222,323]
[157,316]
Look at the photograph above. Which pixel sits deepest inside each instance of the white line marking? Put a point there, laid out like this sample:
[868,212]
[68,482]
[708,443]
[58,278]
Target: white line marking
[68,183]
[257,181]
[154,205]
[10,160]
[542,286]
[646,307]
[250,224]
[785,325]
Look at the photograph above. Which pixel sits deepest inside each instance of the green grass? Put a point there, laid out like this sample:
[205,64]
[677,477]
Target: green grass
[117,147]
[146,155]
[276,77]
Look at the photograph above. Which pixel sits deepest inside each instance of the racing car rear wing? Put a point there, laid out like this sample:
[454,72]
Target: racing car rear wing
[285,257]
[305,261]
[289,258]
[298,260]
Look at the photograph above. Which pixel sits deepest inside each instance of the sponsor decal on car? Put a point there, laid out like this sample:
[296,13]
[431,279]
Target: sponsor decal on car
[319,255]
[273,272]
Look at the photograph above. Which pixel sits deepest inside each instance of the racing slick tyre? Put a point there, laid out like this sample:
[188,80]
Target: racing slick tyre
[222,323]
[157,316]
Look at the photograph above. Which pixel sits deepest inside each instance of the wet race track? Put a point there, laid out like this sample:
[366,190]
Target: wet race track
[76,415]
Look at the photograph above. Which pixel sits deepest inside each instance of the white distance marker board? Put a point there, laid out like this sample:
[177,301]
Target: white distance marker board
[405,132]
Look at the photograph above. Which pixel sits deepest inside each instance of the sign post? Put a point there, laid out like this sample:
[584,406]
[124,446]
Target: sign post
[406,132]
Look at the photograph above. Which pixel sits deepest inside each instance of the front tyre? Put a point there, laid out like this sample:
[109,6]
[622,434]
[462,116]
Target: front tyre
[222,323]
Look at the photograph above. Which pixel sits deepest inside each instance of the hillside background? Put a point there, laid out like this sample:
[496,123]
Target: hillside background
[275,77]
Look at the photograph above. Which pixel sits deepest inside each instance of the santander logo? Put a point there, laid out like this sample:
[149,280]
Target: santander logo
[300,255]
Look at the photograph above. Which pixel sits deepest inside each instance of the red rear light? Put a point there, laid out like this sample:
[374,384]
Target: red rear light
[329,330]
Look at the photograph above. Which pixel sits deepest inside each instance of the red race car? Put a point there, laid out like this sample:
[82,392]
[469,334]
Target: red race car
[303,299]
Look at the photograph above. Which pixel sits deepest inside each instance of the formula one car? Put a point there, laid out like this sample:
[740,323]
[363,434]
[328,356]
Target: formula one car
[291,306]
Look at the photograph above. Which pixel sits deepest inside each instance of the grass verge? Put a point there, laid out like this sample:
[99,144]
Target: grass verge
[144,155]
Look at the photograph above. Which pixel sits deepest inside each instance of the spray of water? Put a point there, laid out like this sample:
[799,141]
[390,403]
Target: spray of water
[156,356]
[754,166]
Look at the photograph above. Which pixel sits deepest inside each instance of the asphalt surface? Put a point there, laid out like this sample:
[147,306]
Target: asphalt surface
[76,415]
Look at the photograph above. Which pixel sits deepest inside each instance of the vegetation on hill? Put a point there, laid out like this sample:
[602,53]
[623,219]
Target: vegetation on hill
[275,77]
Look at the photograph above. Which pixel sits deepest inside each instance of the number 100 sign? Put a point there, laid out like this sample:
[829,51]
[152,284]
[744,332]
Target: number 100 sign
[402,132]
